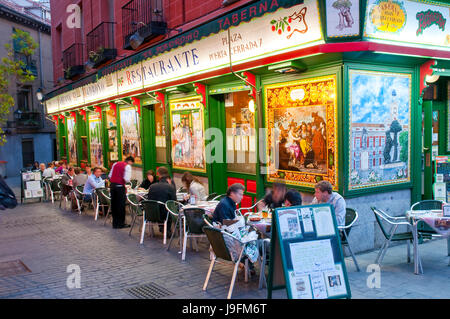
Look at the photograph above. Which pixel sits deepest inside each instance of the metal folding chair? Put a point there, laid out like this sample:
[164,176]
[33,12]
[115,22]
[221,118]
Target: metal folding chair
[192,226]
[351,217]
[152,216]
[392,236]
[220,251]
[174,208]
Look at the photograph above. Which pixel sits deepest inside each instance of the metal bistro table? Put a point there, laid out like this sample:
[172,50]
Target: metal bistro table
[436,220]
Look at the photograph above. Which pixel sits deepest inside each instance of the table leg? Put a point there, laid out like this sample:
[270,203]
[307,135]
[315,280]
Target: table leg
[416,260]
[448,250]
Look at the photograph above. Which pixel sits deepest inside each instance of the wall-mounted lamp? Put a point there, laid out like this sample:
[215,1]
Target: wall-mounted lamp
[40,94]
[432,78]
[251,106]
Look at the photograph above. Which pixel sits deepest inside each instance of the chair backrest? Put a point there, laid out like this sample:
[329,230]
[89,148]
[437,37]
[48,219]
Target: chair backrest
[211,196]
[103,196]
[219,197]
[173,207]
[152,210]
[134,183]
[208,221]
[194,220]
[135,204]
[215,237]
[55,185]
[79,189]
[431,204]
[379,216]
[351,216]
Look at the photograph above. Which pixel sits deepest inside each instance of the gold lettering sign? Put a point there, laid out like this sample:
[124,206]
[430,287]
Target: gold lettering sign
[388,16]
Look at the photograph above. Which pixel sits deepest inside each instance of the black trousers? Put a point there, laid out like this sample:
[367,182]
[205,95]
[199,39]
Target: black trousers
[118,199]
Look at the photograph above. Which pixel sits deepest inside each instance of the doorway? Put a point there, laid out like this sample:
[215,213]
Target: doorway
[27,152]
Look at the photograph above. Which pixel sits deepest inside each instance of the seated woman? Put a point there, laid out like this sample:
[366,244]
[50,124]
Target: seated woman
[151,179]
[292,198]
[193,186]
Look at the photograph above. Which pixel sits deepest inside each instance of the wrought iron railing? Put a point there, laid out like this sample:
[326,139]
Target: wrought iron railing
[28,120]
[73,56]
[101,37]
[143,16]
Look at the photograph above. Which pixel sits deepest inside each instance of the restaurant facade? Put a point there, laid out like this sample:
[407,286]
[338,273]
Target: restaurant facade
[352,92]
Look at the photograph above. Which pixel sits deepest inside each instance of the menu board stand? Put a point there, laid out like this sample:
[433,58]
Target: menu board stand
[441,186]
[31,186]
[306,254]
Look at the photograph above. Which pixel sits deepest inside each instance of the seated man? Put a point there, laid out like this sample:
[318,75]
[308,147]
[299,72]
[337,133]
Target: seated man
[226,209]
[93,182]
[324,195]
[275,198]
[163,191]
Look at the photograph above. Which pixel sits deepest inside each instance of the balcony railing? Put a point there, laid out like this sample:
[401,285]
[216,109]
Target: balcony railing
[28,120]
[100,44]
[73,61]
[145,17]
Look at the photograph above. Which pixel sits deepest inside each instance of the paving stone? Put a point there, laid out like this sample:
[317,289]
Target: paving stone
[48,239]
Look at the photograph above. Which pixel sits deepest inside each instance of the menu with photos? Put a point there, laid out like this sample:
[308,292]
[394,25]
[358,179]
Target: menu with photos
[311,252]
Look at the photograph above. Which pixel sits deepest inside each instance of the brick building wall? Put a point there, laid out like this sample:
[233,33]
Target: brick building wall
[183,14]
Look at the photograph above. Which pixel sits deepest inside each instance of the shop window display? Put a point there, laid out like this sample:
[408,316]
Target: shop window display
[241,139]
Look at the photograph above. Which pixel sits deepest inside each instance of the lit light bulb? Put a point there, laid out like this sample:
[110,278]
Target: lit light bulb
[251,106]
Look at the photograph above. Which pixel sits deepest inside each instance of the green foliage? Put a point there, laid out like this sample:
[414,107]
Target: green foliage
[342,4]
[13,70]
[403,140]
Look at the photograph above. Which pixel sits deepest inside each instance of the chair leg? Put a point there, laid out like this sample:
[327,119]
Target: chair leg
[246,270]
[351,253]
[208,276]
[106,218]
[96,211]
[173,234]
[384,252]
[233,279]
[183,256]
[132,225]
[408,252]
[380,252]
[143,231]
[165,233]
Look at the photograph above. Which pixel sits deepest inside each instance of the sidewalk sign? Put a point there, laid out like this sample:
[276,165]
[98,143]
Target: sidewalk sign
[306,254]
[31,186]
[442,175]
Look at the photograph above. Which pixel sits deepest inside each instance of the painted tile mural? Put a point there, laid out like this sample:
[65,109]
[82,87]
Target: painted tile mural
[380,117]
[301,147]
[131,145]
[71,133]
[95,134]
[188,144]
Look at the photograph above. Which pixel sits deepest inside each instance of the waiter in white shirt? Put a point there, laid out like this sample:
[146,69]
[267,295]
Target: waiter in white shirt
[120,175]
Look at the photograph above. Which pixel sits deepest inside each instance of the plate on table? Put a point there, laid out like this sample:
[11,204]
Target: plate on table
[254,218]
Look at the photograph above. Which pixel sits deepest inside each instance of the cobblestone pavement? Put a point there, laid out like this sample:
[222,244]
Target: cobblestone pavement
[48,239]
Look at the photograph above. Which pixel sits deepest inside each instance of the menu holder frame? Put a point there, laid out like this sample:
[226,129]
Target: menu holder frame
[282,266]
[442,175]
[30,176]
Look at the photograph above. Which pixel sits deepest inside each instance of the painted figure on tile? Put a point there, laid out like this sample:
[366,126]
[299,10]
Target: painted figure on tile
[345,16]
[380,113]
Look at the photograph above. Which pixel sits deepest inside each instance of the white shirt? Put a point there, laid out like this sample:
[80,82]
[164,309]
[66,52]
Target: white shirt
[48,172]
[126,175]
